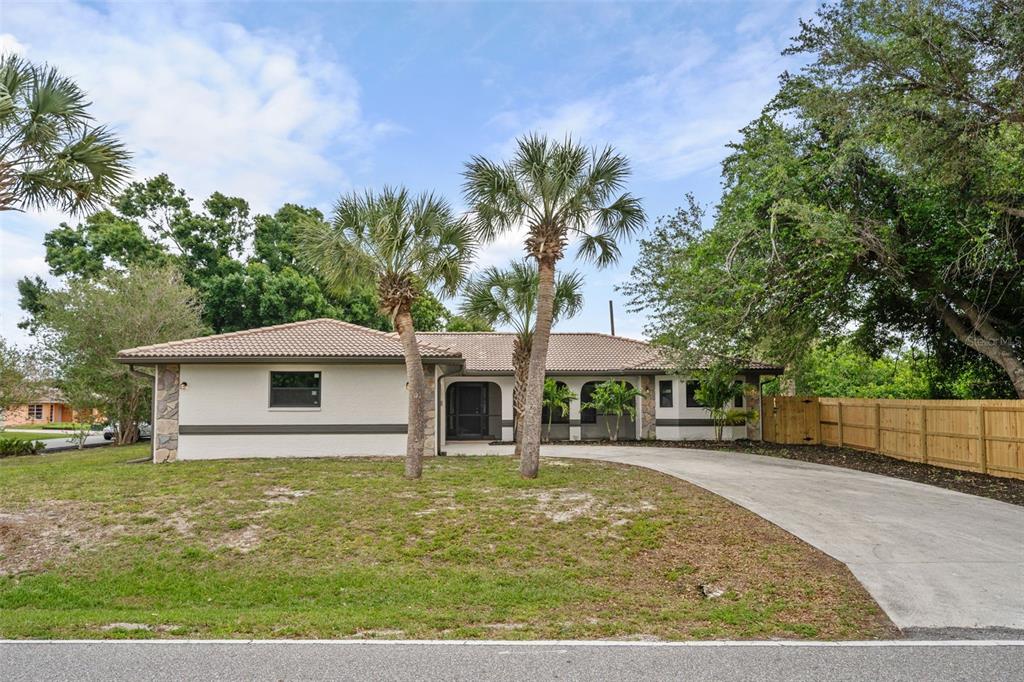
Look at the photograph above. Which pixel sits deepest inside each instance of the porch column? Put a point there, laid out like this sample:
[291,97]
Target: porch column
[429,440]
[165,411]
[575,429]
[752,401]
[648,429]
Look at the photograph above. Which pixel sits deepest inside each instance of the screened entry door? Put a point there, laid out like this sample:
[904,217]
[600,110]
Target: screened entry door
[467,411]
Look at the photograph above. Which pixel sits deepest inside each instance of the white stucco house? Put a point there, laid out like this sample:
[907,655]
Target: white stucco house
[325,387]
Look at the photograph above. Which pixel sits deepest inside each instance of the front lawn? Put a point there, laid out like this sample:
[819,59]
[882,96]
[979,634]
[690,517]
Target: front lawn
[20,435]
[93,546]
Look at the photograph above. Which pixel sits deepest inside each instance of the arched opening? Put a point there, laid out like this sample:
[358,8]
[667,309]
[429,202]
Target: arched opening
[594,425]
[554,424]
[473,411]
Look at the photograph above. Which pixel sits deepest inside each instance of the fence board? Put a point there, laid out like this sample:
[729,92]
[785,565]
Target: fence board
[985,436]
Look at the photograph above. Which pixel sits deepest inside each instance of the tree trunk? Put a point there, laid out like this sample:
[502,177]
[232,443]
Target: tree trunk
[980,335]
[529,463]
[417,390]
[521,367]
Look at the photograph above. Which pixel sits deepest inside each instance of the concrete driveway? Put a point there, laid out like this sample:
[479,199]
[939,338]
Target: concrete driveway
[932,558]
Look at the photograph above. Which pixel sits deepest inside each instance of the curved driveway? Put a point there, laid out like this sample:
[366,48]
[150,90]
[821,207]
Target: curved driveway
[931,558]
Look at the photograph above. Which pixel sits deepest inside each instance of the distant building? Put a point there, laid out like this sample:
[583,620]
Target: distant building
[50,406]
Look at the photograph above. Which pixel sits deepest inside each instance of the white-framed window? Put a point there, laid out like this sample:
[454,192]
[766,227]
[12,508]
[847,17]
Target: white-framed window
[35,411]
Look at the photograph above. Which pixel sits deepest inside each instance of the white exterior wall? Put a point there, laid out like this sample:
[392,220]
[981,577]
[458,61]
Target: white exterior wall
[238,395]
[679,410]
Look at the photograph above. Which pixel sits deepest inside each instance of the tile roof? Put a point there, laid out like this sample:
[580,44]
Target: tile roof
[320,338]
[567,352]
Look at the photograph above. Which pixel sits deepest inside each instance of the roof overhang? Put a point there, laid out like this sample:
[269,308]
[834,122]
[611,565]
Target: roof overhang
[292,360]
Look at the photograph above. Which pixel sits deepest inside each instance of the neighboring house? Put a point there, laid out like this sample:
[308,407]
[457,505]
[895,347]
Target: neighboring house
[49,407]
[325,387]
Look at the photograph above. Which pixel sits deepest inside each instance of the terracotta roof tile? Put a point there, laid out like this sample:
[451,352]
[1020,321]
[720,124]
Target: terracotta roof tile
[320,338]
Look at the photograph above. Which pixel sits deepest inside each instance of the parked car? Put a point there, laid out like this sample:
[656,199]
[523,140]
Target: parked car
[145,431]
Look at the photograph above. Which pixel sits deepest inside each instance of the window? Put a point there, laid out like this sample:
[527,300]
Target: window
[295,389]
[739,399]
[665,393]
[691,390]
[35,411]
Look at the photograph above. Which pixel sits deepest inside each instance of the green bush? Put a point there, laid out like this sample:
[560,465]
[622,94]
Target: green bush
[15,447]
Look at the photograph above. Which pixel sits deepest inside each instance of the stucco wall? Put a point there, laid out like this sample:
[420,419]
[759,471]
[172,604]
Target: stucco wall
[680,422]
[232,400]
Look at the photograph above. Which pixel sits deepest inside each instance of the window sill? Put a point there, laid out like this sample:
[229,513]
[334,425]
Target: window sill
[294,409]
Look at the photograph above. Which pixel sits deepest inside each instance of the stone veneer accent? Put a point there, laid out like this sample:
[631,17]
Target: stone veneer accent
[429,441]
[648,424]
[165,409]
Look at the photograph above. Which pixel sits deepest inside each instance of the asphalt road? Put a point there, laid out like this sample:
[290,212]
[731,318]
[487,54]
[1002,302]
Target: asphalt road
[142,661]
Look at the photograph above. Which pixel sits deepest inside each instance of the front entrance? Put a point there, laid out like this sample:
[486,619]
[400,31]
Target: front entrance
[473,411]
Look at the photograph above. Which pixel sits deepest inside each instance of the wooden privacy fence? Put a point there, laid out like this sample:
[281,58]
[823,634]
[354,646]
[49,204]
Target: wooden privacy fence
[985,436]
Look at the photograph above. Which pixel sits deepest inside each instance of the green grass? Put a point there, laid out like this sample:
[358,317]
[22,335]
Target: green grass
[16,435]
[347,548]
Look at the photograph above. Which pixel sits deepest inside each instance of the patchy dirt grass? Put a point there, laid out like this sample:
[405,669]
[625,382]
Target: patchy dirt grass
[91,546]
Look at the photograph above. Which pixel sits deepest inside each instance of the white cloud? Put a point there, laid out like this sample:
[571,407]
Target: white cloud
[675,117]
[214,105]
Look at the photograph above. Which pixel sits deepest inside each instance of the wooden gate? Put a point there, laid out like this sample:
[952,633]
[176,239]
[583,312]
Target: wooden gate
[791,420]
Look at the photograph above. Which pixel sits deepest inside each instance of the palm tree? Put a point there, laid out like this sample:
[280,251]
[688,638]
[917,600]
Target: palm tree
[613,398]
[557,396]
[50,153]
[405,245]
[557,192]
[508,298]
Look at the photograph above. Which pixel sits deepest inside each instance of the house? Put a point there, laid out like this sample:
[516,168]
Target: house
[50,406]
[326,387]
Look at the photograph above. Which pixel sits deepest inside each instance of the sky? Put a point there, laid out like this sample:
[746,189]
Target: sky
[303,101]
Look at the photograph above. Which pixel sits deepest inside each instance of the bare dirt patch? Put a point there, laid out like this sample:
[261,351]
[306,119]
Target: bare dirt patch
[32,537]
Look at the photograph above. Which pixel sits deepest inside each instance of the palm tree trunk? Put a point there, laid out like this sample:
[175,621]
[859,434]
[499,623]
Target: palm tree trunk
[417,390]
[521,368]
[529,463]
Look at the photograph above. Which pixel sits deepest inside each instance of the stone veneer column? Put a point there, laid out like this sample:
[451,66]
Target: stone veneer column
[648,424]
[429,438]
[165,409]
[753,402]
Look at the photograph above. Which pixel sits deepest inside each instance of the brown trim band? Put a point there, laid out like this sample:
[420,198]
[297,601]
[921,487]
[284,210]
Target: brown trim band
[293,429]
[684,422]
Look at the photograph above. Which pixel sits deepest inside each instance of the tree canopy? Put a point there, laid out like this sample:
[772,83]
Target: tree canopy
[243,267]
[882,190]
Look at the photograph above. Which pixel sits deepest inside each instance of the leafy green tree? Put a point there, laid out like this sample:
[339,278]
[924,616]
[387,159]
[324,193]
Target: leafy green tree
[508,298]
[51,153]
[613,398]
[557,396]
[86,324]
[466,323]
[883,188]
[19,376]
[560,192]
[717,390]
[405,244]
[256,296]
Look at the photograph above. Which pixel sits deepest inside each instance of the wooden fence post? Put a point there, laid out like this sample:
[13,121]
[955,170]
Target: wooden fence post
[982,450]
[924,433]
[878,427]
[839,420]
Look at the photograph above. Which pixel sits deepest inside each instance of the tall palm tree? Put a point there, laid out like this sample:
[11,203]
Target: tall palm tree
[50,153]
[404,244]
[558,193]
[508,298]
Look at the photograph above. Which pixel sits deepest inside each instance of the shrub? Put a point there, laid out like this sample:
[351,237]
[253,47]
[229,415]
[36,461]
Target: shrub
[15,447]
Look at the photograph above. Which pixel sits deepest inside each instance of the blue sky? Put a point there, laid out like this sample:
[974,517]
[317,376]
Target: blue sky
[300,102]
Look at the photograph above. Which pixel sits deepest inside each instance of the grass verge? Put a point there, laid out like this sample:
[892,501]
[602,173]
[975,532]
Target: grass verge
[92,546]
